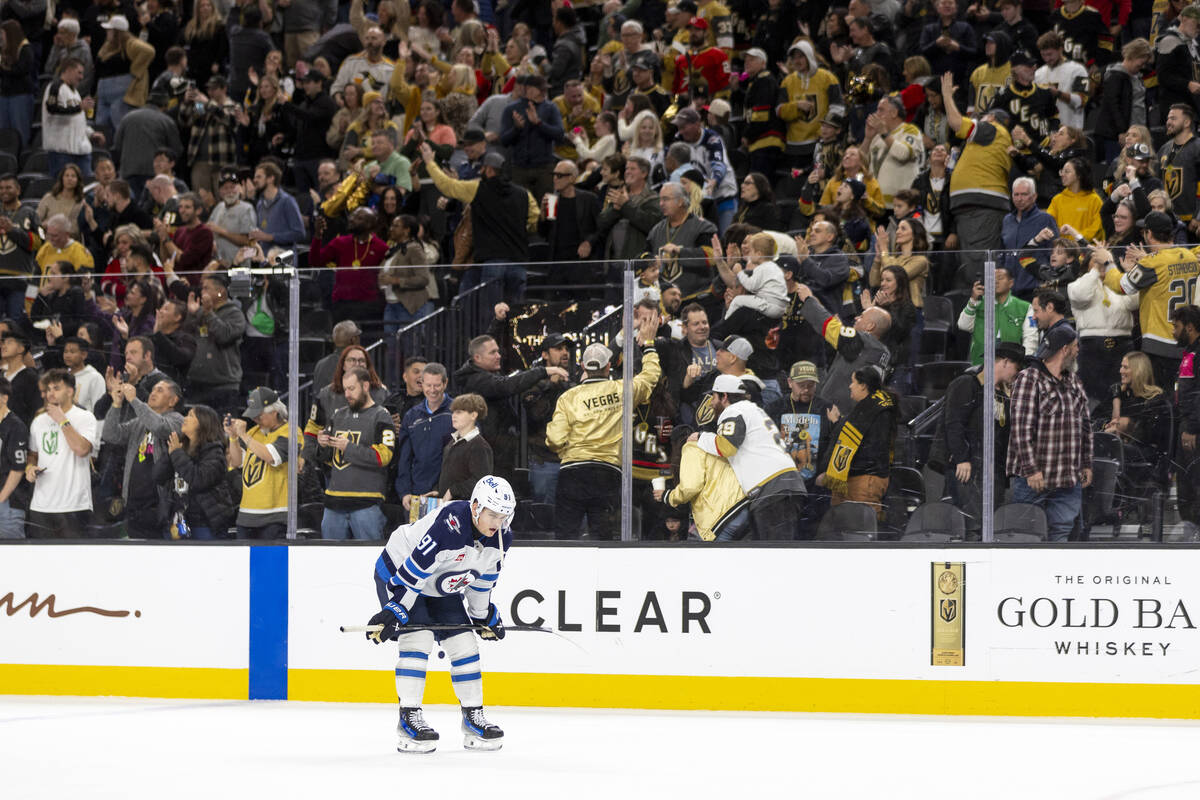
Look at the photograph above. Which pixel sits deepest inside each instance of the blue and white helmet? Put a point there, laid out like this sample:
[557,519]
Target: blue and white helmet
[497,494]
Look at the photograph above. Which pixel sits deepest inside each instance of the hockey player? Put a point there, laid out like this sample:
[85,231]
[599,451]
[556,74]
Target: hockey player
[748,439]
[424,569]
[1164,276]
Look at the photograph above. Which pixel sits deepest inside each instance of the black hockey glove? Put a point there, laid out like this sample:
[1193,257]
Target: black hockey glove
[491,628]
[393,617]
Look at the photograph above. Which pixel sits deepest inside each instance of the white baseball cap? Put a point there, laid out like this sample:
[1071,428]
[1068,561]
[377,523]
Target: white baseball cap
[728,384]
[596,357]
[116,22]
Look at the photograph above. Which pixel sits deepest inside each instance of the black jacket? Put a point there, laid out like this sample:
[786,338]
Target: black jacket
[464,462]
[499,391]
[587,215]
[311,118]
[498,216]
[206,499]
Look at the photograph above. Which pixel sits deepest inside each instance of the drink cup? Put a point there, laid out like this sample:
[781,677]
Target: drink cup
[551,206]
[659,484]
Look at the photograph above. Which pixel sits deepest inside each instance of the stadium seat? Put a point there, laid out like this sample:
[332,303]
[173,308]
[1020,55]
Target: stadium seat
[316,323]
[1019,522]
[907,482]
[308,520]
[849,522]
[935,520]
[10,142]
[933,378]
[396,515]
[34,187]
[1099,499]
[8,161]
[35,161]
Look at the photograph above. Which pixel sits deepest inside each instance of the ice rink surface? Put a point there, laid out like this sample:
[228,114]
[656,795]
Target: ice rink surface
[84,748]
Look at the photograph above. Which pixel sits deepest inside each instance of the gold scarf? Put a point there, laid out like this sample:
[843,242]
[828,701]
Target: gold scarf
[837,474]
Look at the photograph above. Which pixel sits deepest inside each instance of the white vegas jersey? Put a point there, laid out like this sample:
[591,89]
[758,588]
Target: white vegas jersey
[749,440]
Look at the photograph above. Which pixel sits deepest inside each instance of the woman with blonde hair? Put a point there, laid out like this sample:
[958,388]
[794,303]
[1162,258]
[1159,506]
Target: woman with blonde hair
[1141,415]
[1136,134]
[693,183]
[646,140]
[371,120]
[207,43]
[459,103]
[264,127]
[855,165]
[65,197]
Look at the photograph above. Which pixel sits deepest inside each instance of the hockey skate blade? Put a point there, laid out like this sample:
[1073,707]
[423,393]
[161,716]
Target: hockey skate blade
[405,745]
[471,742]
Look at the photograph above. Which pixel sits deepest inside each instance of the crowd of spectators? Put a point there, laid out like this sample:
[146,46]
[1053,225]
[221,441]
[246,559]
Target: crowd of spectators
[810,195]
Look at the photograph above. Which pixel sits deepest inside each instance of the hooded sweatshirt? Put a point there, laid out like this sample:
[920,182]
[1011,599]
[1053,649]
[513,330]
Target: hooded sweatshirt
[817,85]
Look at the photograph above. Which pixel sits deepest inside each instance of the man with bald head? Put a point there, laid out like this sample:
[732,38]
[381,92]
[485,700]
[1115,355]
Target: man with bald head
[857,346]
[370,63]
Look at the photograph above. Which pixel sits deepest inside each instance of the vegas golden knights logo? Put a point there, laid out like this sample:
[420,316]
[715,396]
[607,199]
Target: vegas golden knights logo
[1172,178]
[253,470]
[704,411]
[948,610]
[841,459]
[339,460]
[811,114]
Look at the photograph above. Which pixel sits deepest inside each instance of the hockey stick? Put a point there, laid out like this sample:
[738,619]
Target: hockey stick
[408,628]
[416,628]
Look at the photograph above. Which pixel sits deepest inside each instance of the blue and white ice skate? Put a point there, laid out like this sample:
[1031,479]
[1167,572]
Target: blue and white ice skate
[478,733]
[413,734]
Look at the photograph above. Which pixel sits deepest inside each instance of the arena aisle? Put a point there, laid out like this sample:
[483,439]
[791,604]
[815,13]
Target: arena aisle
[132,749]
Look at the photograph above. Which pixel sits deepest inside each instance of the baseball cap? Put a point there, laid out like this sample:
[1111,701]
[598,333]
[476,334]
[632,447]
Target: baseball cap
[699,23]
[493,160]
[596,357]
[643,60]
[116,22]
[738,346]
[258,401]
[686,116]
[1056,339]
[228,176]
[552,340]
[835,119]
[803,371]
[473,136]
[1139,150]
[720,107]
[1020,59]
[1191,12]
[727,384]
[1158,224]
[757,52]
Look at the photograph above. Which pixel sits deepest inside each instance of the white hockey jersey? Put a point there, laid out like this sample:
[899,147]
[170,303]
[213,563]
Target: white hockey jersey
[440,555]
[749,440]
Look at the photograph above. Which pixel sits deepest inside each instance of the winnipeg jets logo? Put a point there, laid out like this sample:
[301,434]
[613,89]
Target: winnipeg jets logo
[452,523]
[455,582]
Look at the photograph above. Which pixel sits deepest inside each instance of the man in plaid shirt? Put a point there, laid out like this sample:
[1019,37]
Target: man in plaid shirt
[1050,446]
[212,143]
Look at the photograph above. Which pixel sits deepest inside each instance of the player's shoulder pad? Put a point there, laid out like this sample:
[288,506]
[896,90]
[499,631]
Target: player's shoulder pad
[453,523]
